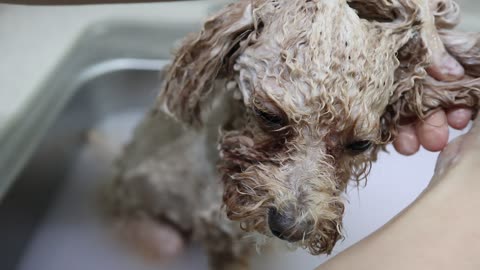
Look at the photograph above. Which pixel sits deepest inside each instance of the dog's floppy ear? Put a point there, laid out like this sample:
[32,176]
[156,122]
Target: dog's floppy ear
[204,57]
[405,24]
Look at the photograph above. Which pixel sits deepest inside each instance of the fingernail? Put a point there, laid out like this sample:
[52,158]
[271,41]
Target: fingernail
[410,148]
[459,118]
[436,119]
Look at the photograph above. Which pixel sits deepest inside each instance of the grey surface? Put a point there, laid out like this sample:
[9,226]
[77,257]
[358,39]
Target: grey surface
[54,131]
[35,40]
[101,43]
[72,234]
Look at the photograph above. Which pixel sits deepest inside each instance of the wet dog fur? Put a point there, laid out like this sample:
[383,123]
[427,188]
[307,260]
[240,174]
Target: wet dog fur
[283,103]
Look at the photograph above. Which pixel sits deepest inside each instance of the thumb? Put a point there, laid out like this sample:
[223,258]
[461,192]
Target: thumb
[448,157]
[475,130]
[457,148]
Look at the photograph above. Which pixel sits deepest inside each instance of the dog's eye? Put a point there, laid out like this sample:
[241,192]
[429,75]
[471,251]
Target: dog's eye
[270,119]
[359,146]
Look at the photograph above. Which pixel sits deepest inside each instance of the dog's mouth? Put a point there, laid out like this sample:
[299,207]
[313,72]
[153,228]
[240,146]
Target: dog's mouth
[317,234]
[257,210]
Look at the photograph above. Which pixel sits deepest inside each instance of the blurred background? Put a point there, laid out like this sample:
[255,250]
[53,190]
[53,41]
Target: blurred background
[74,81]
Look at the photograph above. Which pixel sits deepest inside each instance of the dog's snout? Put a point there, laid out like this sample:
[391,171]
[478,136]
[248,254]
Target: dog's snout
[284,226]
[279,223]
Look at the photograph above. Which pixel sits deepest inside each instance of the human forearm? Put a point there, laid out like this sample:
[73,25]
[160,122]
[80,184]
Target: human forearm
[440,230]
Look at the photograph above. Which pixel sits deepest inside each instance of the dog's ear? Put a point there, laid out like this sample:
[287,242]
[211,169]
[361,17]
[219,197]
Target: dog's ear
[374,10]
[404,23]
[203,58]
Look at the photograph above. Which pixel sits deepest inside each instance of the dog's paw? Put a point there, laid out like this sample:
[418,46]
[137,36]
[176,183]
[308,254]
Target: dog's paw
[153,240]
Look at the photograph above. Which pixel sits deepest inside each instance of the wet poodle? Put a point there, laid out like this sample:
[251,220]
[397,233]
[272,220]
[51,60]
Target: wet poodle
[283,103]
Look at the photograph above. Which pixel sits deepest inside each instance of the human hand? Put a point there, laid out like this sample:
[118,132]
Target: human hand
[432,133]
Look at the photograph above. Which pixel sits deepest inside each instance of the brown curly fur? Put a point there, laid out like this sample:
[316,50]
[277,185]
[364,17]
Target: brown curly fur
[298,81]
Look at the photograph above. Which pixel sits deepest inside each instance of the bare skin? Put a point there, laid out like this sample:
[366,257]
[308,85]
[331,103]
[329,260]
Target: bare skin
[439,230]
[433,133]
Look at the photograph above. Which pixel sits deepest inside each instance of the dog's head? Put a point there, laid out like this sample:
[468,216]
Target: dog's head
[318,82]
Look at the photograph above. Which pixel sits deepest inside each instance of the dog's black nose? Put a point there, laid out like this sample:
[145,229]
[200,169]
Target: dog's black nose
[285,226]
